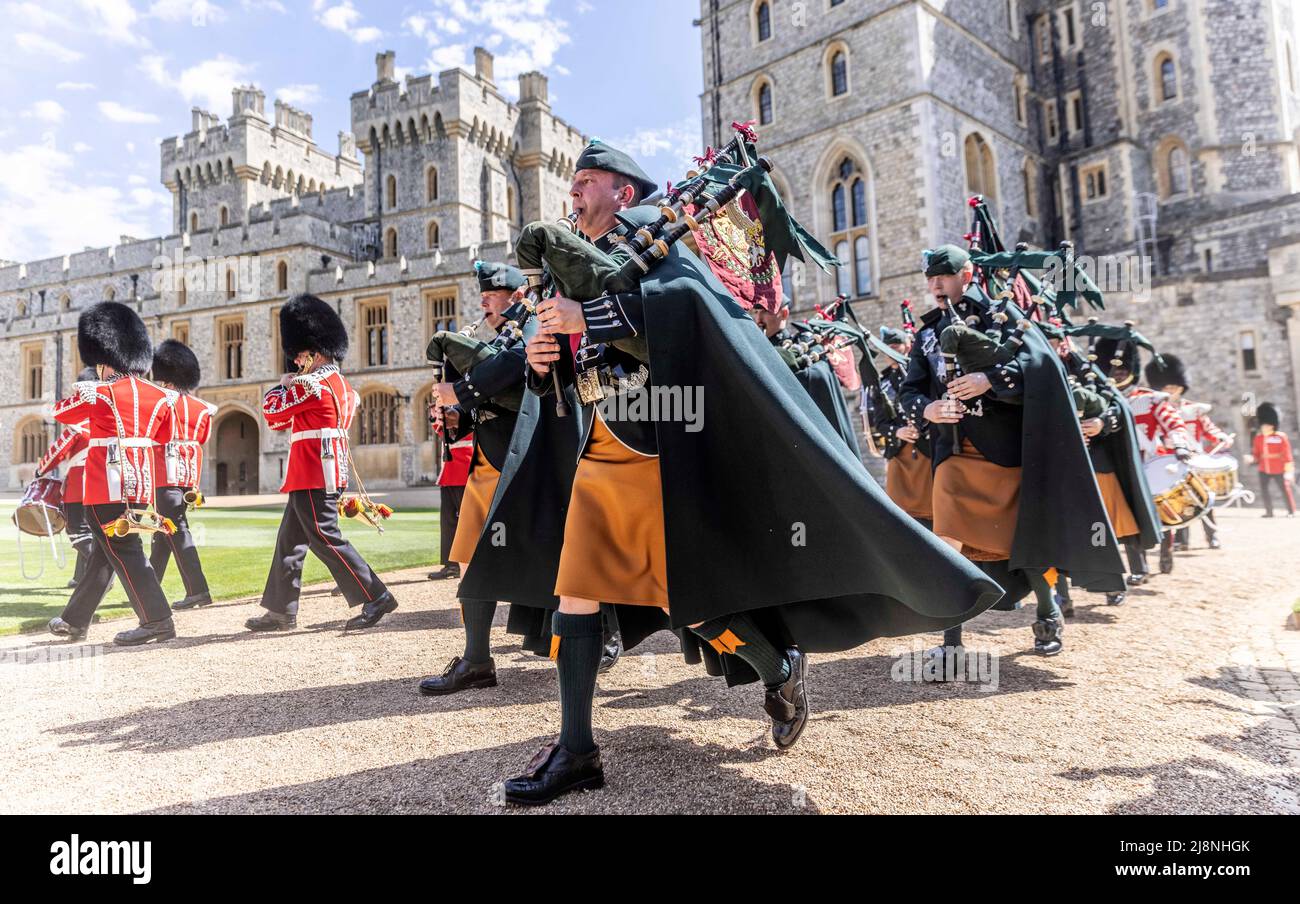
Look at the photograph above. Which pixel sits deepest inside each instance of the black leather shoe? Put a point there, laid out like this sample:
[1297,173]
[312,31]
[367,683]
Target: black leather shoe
[1215,543]
[788,704]
[199,600]
[59,628]
[612,649]
[337,591]
[1116,599]
[450,570]
[272,621]
[460,676]
[372,612]
[1137,580]
[1047,636]
[163,629]
[72,584]
[553,771]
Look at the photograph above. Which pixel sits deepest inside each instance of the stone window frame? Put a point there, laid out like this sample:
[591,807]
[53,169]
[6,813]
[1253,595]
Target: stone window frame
[1162,54]
[1073,102]
[1043,28]
[828,59]
[763,80]
[225,372]
[441,307]
[32,356]
[25,439]
[853,231]
[232,284]
[1051,116]
[110,294]
[390,191]
[365,350]
[281,276]
[223,215]
[755,31]
[432,188]
[1070,13]
[1013,18]
[180,331]
[1031,175]
[433,235]
[65,301]
[1101,187]
[1289,75]
[1252,331]
[1206,252]
[427,434]
[1164,169]
[988,167]
[1020,98]
[194,221]
[390,247]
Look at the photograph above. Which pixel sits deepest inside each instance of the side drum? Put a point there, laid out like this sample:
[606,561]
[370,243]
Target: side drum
[40,512]
[1181,496]
[1217,472]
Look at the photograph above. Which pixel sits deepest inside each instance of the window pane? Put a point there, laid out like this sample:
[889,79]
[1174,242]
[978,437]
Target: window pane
[838,214]
[862,264]
[765,104]
[859,203]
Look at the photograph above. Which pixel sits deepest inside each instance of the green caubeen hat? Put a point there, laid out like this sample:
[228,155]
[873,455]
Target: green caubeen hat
[946,260]
[493,277]
[601,156]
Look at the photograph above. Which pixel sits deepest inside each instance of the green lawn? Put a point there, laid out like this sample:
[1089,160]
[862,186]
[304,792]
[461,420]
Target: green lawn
[235,545]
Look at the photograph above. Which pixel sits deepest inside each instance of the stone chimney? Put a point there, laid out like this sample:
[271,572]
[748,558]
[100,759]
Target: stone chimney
[385,66]
[483,65]
[248,101]
[292,119]
[533,86]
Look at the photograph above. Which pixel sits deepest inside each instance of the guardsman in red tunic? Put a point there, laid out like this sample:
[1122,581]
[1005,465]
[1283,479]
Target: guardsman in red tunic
[70,448]
[1271,454]
[452,478]
[1167,374]
[316,405]
[177,466]
[128,418]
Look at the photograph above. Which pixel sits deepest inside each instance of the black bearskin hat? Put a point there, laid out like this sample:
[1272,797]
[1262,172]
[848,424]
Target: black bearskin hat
[1166,370]
[1266,413]
[1108,350]
[308,324]
[113,334]
[174,362]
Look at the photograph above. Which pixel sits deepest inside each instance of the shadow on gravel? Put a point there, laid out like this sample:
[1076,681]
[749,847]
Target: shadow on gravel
[647,770]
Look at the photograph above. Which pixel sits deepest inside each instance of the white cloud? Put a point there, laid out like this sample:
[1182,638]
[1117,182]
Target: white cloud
[114,19]
[299,94]
[207,84]
[451,56]
[417,25]
[257,6]
[42,46]
[81,147]
[344,18]
[115,112]
[32,15]
[137,179]
[46,111]
[75,86]
[60,213]
[677,142]
[197,12]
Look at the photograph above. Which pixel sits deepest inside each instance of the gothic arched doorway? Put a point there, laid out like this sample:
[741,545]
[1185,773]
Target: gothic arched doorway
[236,457]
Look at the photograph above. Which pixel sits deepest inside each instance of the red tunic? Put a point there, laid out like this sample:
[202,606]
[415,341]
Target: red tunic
[128,417]
[1272,453]
[179,463]
[1204,433]
[318,408]
[1161,429]
[71,446]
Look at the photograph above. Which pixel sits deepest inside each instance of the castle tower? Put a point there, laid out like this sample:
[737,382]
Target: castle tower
[219,170]
[451,163]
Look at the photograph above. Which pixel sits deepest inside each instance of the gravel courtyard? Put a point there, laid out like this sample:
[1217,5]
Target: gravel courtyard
[1183,700]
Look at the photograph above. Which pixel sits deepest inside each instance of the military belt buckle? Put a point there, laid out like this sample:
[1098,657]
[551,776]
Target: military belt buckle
[589,386]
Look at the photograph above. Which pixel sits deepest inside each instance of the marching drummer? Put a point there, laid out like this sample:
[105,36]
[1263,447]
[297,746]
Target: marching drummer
[1167,374]
[70,448]
[128,417]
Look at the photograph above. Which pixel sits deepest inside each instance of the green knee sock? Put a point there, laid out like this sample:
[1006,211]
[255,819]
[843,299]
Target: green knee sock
[576,662]
[738,634]
[478,629]
[1047,607]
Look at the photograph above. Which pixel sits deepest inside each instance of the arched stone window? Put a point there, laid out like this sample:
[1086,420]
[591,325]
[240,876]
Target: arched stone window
[225,215]
[230,283]
[1166,74]
[194,221]
[431,184]
[390,243]
[110,294]
[981,172]
[837,70]
[282,277]
[377,420]
[434,238]
[390,194]
[763,102]
[763,21]
[850,232]
[30,442]
[1031,189]
[1173,168]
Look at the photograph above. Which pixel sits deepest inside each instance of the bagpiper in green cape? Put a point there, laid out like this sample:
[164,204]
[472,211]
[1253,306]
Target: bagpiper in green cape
[1005,431]
[745,517]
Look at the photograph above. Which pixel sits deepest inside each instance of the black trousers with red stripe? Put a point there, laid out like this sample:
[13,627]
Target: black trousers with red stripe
[311,521]
[170,503]
[123,556]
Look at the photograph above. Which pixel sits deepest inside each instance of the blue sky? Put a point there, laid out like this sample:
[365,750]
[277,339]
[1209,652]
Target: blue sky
[89,87]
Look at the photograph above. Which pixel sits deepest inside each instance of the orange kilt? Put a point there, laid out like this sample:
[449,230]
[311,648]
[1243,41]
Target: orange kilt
[909,482]
[614,548]
[474,506]
[977,502]
[1121,516]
